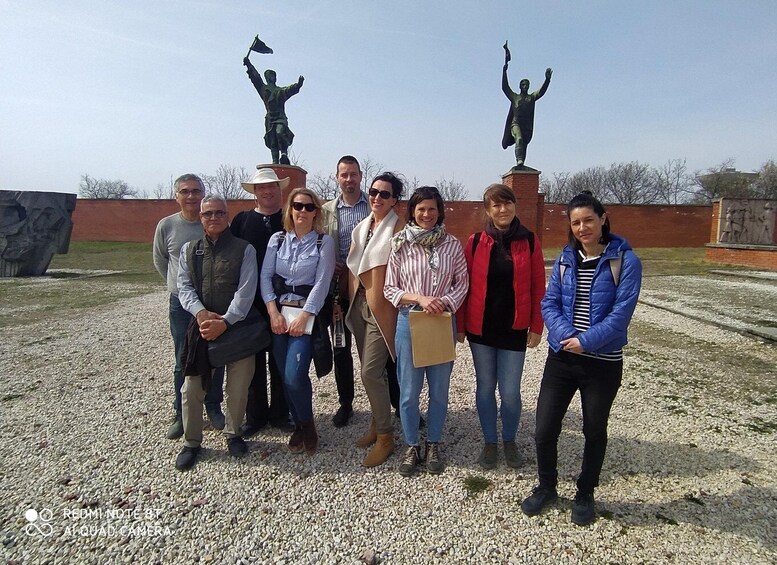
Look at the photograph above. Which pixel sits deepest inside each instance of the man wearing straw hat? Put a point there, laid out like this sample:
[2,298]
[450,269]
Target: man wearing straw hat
[256,226]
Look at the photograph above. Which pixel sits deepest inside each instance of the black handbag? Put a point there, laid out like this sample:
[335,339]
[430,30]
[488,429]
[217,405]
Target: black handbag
[323,356]
[242,339]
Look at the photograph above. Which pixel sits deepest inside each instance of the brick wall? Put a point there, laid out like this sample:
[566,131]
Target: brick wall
[643,226]
[749,256]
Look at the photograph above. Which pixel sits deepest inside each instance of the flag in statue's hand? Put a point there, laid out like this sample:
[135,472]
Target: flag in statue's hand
[259,46]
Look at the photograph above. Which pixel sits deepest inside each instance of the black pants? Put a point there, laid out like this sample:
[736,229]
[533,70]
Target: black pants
[393,383]
[598,382]
[259,410]
[343,362]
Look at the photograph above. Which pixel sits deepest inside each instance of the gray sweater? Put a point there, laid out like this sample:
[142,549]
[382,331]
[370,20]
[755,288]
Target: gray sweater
[171,233]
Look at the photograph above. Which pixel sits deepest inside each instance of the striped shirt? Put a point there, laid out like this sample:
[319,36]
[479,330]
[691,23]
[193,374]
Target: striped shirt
[408,271]
[581,317]
[347,218]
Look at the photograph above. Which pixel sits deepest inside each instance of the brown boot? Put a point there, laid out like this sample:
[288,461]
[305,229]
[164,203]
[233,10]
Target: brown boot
[369,437]
[309,437]
[380,452]
[295,441]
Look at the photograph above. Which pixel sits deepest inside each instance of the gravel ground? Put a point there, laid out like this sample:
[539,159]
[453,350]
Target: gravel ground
[689,475]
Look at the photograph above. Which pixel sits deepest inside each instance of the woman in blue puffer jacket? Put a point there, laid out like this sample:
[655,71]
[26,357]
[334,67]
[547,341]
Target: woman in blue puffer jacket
[591,296]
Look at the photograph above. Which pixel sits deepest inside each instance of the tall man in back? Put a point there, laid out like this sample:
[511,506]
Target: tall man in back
[341,216]
[256,226]
[171,233]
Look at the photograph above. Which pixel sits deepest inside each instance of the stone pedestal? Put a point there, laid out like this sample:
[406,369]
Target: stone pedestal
[297,176]
[529,202]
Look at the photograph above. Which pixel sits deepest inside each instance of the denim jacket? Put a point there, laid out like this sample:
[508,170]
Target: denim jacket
[611,305]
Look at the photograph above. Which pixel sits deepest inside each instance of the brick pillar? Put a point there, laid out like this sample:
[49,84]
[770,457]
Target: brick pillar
[297,176]
[715,224]
[529,204]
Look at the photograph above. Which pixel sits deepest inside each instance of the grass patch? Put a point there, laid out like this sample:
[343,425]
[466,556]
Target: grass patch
[660,261]
[475,484]
[110,255]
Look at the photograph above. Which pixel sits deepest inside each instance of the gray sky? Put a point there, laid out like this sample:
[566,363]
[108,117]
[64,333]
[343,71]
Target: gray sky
[142,90]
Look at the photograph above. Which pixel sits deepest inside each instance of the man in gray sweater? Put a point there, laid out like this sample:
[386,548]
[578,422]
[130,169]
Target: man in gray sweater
[171,233]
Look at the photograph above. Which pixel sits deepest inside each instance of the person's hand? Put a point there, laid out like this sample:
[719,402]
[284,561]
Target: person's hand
[337,313]
[460,337]
[301,80]
[213,328]
[339,268]
[548,72]
[572,345]
[204,315]
[278,323]
[533,340]
[297,326]
[431,304]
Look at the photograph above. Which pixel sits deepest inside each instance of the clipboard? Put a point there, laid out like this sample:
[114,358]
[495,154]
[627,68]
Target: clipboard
[432,338]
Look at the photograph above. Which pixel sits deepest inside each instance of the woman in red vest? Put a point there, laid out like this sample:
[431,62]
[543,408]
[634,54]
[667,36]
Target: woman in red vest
[501,317]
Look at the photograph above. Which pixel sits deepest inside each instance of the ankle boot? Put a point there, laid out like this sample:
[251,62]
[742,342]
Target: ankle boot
[295,441]
[309,437]
[369,437]
[380,452]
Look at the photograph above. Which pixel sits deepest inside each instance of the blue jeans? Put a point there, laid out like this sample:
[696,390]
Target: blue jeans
[293,355]
[501,367]
[179,321]
[411,381]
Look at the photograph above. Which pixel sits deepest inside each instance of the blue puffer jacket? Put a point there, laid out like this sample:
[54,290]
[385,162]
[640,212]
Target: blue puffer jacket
[611,306]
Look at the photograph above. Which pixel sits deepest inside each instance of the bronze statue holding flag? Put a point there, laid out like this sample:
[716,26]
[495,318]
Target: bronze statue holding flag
[278,137]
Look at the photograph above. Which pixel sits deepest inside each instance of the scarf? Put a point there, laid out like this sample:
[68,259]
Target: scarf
[503,238]
[428,239]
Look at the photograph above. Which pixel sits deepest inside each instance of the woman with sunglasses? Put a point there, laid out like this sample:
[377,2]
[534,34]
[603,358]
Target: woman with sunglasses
[426,271]
[296,273]
[501,318]
[591,296]
[371,318]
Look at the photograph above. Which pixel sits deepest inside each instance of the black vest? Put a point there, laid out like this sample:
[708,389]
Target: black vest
[215,271]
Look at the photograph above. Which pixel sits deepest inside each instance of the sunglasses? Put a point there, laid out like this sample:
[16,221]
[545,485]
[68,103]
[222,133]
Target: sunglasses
[299,206]
[384,194]
[213,214]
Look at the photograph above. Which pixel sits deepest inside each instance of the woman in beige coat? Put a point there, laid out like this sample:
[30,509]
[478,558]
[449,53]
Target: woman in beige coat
[371,318]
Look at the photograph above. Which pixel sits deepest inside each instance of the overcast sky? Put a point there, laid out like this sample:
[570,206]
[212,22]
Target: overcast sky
[142,90]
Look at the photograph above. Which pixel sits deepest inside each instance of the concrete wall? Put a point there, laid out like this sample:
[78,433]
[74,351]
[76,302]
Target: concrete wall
[643,226]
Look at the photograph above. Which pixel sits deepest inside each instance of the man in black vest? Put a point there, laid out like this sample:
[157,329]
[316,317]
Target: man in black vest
[256,226]
[229,278]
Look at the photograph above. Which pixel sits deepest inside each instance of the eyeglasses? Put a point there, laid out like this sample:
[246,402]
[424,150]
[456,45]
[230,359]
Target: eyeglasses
[218,214]
[384,194]
[185,193]
[299,206]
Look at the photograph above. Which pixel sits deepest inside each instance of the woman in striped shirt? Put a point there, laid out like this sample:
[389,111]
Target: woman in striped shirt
[591,296]
[426,271]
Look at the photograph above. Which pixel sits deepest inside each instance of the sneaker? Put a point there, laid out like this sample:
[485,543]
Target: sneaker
[488,457]
[343,416]
[513,457]
[583,512]
[216,417]
[410,460]
[537,500]
[176,428]
[187,458]
[236,446]
[434,464]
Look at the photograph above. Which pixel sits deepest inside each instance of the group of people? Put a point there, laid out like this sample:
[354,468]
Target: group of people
[353,260]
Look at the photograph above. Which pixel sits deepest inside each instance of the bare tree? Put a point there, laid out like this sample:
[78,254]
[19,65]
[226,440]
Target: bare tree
[325,186]
[103,188]
[629,183]
[672,182]
[723,181]
[593,179]
[370,169]
[765,185]
[165,190]
[226,182]
[451,190]
[558,189]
